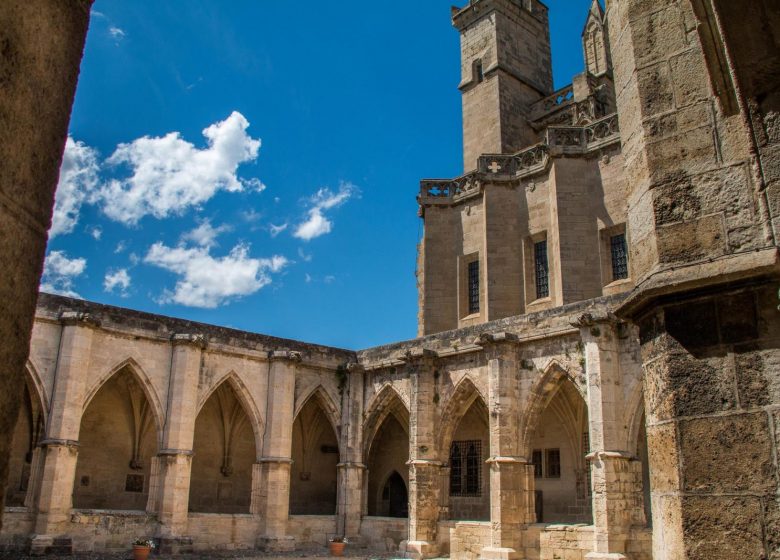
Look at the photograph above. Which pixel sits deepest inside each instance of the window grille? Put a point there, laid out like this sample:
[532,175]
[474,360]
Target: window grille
[553,460]
[542,270]
[473,287]
[466,481]
[619,256]
[537,463]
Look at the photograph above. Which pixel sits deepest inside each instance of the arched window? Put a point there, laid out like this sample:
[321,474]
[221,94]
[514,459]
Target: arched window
[472,469]
[456,470]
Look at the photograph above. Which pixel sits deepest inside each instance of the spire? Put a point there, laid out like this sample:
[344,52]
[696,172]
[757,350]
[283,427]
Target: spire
[594,41]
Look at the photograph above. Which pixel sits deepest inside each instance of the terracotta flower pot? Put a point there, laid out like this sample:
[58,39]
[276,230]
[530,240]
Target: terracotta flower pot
[141,552]
[336,548]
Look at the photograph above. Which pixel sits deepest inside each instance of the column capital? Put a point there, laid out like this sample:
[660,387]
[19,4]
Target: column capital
[352,465]
[175,452]
[78,318]
[69,443]
[417,463]
[276,460]
[610,456]
[189,339]
[285,356]
[508,460]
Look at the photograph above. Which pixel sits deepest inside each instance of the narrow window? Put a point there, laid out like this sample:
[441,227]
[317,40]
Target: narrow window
[542,270]
[619,256]
[537,462]
[455,471]
[472,468]
[473,287]
[479,73]
[553,460]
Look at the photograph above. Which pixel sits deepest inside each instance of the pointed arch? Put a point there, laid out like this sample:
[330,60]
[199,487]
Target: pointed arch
[35,383]
[244,398]
[387,401]
[465,394]
[542,392]
[323,398]
[635,416]
[135,369]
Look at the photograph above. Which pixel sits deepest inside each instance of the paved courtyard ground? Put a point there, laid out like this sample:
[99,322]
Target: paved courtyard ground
[357,554]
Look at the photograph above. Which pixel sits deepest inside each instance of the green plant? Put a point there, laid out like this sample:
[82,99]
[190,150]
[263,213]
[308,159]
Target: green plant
[341,377]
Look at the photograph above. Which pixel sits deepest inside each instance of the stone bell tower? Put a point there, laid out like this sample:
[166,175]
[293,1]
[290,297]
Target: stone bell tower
[506,67]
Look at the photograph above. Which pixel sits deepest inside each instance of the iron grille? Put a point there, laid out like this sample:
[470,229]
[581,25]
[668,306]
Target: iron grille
[553,461]
[542,270]
[466,481]
[537,462]
[619,257]
[473,287]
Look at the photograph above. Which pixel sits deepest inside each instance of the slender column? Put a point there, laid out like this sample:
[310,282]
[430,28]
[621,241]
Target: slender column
[175,458]
[60,448]
[274,503]
[616,475]
[424,467]
[511,476]
[351,468]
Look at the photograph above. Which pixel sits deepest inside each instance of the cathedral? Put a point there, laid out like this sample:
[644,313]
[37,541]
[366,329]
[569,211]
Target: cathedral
[597,369]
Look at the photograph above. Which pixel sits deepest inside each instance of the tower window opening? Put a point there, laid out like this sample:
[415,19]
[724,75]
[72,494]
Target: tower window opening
[619,256]
[542,270]
[473,272]
[479,72]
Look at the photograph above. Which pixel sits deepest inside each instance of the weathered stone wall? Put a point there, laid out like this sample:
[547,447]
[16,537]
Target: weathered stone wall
[42,43]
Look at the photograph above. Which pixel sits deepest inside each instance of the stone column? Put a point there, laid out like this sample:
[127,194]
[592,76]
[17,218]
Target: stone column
[424,466]
[616,474]
[511,475]
[274,503]
[352,470]
[60,448]
[175,457]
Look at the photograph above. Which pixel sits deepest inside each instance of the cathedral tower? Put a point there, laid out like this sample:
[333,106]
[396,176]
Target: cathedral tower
[506,67]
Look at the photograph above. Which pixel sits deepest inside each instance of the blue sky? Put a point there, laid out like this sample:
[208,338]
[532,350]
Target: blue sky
[295,214]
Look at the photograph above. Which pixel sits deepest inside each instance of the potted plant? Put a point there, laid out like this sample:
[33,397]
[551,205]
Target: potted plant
[142,548]
[336,545]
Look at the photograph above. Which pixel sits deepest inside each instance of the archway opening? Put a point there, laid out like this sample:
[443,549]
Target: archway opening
[388,474]
[224,455]
[315,454]
[559,445]
[469,483]
[26,435]
[117,440]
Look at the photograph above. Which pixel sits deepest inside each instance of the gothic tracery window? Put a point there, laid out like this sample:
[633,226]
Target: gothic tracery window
[466,468]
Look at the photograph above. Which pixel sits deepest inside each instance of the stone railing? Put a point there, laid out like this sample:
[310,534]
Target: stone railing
[584,138]
[552,103]
[444,190]
[527,161]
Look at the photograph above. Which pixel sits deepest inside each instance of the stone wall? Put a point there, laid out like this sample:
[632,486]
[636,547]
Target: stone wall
[42,43]
[384,533]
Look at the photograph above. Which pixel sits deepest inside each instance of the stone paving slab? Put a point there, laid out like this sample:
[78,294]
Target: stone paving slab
[215,555]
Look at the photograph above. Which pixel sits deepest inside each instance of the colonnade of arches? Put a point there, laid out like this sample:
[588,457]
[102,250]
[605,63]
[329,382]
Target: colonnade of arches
[121,429]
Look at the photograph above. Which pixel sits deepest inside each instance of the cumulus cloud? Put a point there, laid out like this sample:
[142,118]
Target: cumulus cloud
[117,280]
[78,185]
[117,33]
[59,272]
[207,281]
[276,230]
[96,233]
[205,234]
[317,223]
[170,175]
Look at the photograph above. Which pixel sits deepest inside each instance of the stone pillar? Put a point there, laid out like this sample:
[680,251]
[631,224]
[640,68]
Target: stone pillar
[352,470]
[175,457]
[43,41]
[616,474]
[60,448]
[274,503]
[424,467]
[511,475]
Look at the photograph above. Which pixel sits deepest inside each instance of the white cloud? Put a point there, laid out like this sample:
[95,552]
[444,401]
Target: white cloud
[120,247]
[118,279]
[77,186]
[308,278]
[254,184]
[205,234]
[59,271]
[208,282]
[170,175]
[304,256]
[96,232]
[329,279]
[317,224]
[276,230]
[117,33]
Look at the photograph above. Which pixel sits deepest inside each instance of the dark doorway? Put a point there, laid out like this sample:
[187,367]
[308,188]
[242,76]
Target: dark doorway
[397,497]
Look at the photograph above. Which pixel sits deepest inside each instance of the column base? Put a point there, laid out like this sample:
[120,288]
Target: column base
[494,553]
[419,549]
[175,545]
[276,544]
[605,556]
[41,545]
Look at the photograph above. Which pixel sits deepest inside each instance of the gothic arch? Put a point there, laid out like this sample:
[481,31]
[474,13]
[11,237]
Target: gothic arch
[323,398]
[247,402]
[36,383]
[387,401]
[466,393]
[635,416]
[138,373]
[542,392]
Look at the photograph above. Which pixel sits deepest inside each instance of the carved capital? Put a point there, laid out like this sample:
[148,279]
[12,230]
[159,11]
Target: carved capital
[196,340]
[78,318]
[487,339]
[285,356]
[68,443]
